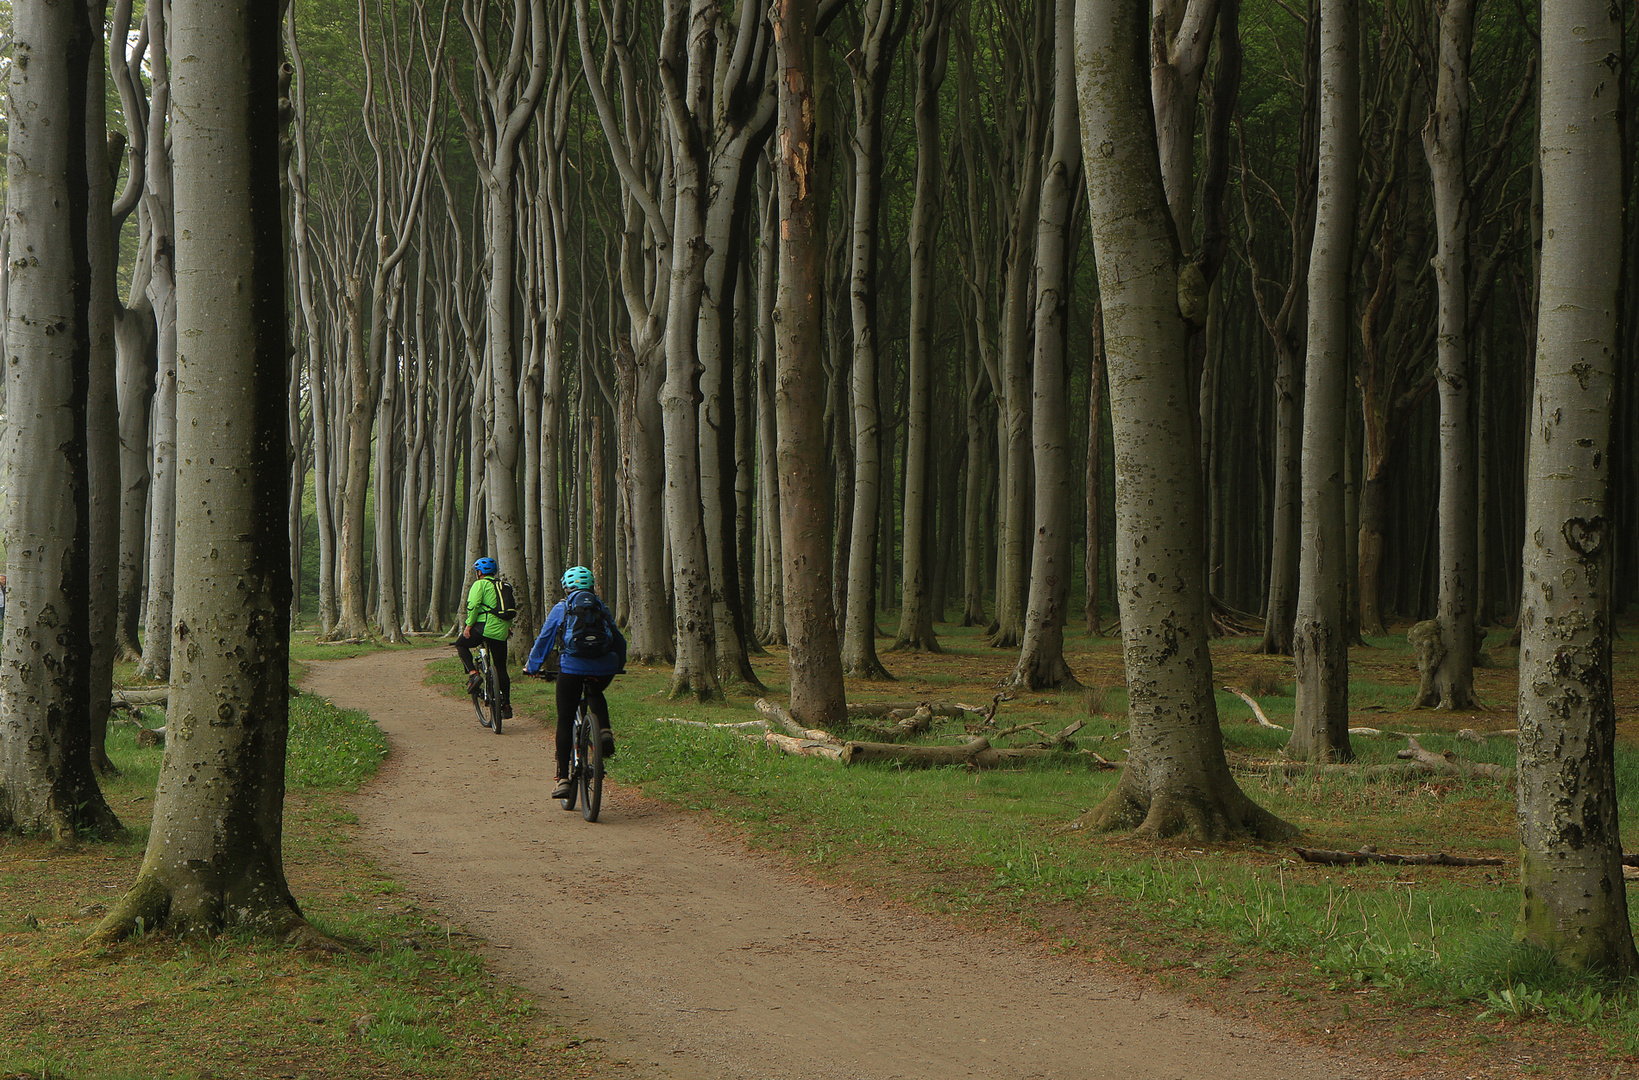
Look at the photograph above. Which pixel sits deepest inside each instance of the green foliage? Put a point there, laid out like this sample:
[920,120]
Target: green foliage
[330,747]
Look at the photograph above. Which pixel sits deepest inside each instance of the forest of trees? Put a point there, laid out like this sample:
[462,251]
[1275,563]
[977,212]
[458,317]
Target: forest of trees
[801,323]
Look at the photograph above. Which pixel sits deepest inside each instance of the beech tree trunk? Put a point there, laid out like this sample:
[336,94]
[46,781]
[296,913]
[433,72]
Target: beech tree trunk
[1176,779]
[46,779]
[1321,638]
[1575,903]
[916,592]
[817,699]
[1041,662]
[156,628]
[214,858]
[871,64]
[1443,143]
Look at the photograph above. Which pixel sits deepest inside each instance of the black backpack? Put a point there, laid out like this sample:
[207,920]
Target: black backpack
[588,631]
[509,600]
[506,598]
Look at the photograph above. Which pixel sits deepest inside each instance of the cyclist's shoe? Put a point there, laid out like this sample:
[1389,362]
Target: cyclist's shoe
[563,789]
[475,682]
[506,712]
[608,743]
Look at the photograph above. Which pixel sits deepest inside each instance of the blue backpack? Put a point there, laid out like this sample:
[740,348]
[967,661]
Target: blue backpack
[588,630]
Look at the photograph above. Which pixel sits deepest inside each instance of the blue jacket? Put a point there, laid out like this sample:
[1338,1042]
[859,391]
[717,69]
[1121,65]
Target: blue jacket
[609,663]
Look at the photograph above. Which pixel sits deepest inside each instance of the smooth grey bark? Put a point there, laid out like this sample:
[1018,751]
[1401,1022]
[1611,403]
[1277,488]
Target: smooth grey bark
[102,451]
[772,596]
[47,783]
[157,207]
[1284,318]
[134,337]
[1041,663]
[214,853]
[1321,636]
[1180,39]
[817,696]
[916,596]
[1093,553]
[508,97]
[1575,905]
[871,64]
[1444,145]
[1176,779]
[740,104]
[645,253]
[1015,449]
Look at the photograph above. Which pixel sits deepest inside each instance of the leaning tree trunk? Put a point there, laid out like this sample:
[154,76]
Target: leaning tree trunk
[1320,639]
[1459,483]
[799,392]
[1177,779]
[1571,861]
[1041,658]
[214,854]
[46,779]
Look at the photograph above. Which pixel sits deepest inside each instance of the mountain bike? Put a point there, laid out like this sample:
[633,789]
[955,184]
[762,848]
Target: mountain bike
[585,763]
[486,696]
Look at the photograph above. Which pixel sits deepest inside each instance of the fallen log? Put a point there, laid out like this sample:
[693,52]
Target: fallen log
[761,725]
[944,709]
[342,641]
[802,747]
[1450,762]
[904,726]
[1257,711]
[1372,855]
[138,697]
[780,716]
[977,752]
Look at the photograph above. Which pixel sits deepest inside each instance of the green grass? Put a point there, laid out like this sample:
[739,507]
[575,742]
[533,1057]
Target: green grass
[990,846]
[409,998]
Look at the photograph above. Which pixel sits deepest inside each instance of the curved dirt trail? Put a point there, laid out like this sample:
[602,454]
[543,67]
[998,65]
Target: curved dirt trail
[694,959]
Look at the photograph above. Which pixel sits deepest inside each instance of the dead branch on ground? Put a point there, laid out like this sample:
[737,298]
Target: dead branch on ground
[1372,855]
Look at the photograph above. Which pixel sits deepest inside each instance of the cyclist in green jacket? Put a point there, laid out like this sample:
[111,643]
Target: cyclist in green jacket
[483,621]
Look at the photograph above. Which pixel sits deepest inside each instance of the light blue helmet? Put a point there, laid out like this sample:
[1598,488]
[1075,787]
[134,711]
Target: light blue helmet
[577,577]
[485,566]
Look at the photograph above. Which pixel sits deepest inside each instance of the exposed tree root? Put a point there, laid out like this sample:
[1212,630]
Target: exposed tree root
[188,908]
[1188,813]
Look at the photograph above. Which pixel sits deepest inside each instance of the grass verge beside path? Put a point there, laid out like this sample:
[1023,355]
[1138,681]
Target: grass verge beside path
[1400,961]
[412,1000]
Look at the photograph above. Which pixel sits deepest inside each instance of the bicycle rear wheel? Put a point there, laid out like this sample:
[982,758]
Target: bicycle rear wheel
[577,766]
[591,767]
[492,688]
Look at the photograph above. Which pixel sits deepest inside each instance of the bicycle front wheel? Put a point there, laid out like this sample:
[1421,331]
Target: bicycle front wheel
[591,768]
[478,695]
[493,688]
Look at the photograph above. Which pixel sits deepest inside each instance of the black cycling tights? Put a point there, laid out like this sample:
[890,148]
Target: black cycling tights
[569,691]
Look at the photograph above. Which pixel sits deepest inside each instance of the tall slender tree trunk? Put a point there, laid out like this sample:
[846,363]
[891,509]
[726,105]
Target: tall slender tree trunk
[46,779]
[1320,640]
[916,593]
[156,623]
[214,854]
[871,64]
[805,497]
[1443,143]
[1176,779]
[1575,904]
[1041,658]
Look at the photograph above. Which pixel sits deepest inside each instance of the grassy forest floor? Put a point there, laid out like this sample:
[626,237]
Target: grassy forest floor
[1409,964]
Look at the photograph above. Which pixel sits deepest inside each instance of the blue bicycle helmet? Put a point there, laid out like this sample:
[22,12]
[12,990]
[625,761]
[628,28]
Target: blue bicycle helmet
[577,577]
[485,566]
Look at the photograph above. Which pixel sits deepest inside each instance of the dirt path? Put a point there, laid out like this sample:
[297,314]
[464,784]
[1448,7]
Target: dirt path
[694,959]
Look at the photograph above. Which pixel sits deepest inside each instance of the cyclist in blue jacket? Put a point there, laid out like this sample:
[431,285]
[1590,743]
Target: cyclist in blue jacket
[591,652]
